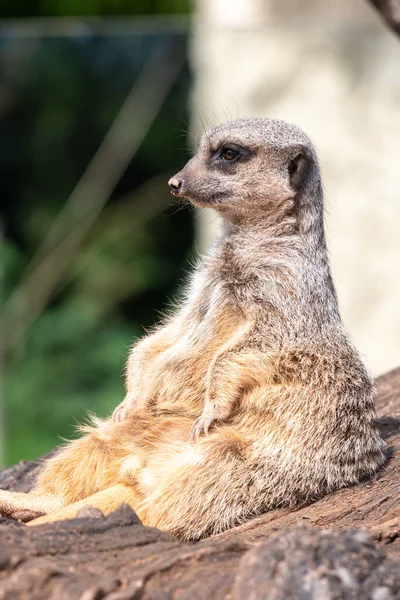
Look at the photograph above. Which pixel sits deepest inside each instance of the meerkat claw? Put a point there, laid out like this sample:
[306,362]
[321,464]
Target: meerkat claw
[201,425]
[119,414]
[122,410]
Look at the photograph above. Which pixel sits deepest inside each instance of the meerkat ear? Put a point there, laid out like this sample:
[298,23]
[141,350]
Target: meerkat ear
[299,168]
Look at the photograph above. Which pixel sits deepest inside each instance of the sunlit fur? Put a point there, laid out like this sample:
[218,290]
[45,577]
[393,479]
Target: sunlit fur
[257,350]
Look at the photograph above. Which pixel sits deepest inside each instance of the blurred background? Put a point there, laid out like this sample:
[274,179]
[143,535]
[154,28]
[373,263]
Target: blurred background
[100,103]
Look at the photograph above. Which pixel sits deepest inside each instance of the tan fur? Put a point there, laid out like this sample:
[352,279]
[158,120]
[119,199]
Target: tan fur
[107,500]
[251,396]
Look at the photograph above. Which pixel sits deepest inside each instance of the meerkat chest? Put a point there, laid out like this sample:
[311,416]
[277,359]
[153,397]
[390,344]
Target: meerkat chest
[199,339]
[182,369]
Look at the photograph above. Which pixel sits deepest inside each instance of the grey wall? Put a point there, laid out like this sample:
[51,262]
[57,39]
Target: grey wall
[334,69]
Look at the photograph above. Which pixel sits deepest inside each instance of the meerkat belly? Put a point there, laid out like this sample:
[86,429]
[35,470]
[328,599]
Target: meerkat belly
[179,374]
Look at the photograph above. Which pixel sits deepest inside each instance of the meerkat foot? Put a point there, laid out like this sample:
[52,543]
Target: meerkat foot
[24,507]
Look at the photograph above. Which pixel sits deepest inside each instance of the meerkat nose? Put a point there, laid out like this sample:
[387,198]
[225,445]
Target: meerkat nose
[175,184]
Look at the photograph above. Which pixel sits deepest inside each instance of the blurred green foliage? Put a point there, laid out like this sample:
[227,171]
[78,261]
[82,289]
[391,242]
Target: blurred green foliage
[29,8]
[58,99]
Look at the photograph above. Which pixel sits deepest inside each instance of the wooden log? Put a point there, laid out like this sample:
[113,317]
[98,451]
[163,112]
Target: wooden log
[346,545]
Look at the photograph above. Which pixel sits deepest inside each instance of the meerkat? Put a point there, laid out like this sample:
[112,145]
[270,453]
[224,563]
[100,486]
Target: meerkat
[251,396]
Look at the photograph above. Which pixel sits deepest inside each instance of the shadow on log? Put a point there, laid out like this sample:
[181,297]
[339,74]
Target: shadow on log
[345,546]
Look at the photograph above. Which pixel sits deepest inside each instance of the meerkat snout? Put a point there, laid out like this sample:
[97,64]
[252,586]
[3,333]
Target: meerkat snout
[175,184]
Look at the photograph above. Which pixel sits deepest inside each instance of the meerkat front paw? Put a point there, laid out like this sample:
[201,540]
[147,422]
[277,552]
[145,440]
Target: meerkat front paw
[122,410]
[203,423]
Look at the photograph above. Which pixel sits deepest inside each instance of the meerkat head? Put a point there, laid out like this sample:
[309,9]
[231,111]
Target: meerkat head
[250,168]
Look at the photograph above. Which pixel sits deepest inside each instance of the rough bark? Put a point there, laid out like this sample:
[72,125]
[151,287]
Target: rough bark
[346,546]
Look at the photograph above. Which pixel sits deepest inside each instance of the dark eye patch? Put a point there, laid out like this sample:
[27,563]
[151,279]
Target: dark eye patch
[229,154]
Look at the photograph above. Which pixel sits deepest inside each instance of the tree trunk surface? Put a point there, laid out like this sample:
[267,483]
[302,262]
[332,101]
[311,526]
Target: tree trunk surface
[345,546]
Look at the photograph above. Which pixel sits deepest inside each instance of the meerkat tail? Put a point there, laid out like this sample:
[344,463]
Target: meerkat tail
[81,468]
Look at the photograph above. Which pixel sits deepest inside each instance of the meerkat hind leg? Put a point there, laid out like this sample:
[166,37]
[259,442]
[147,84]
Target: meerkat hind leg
[107,501]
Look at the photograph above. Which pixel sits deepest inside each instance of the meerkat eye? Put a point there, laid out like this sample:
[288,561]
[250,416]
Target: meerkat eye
[229,154]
